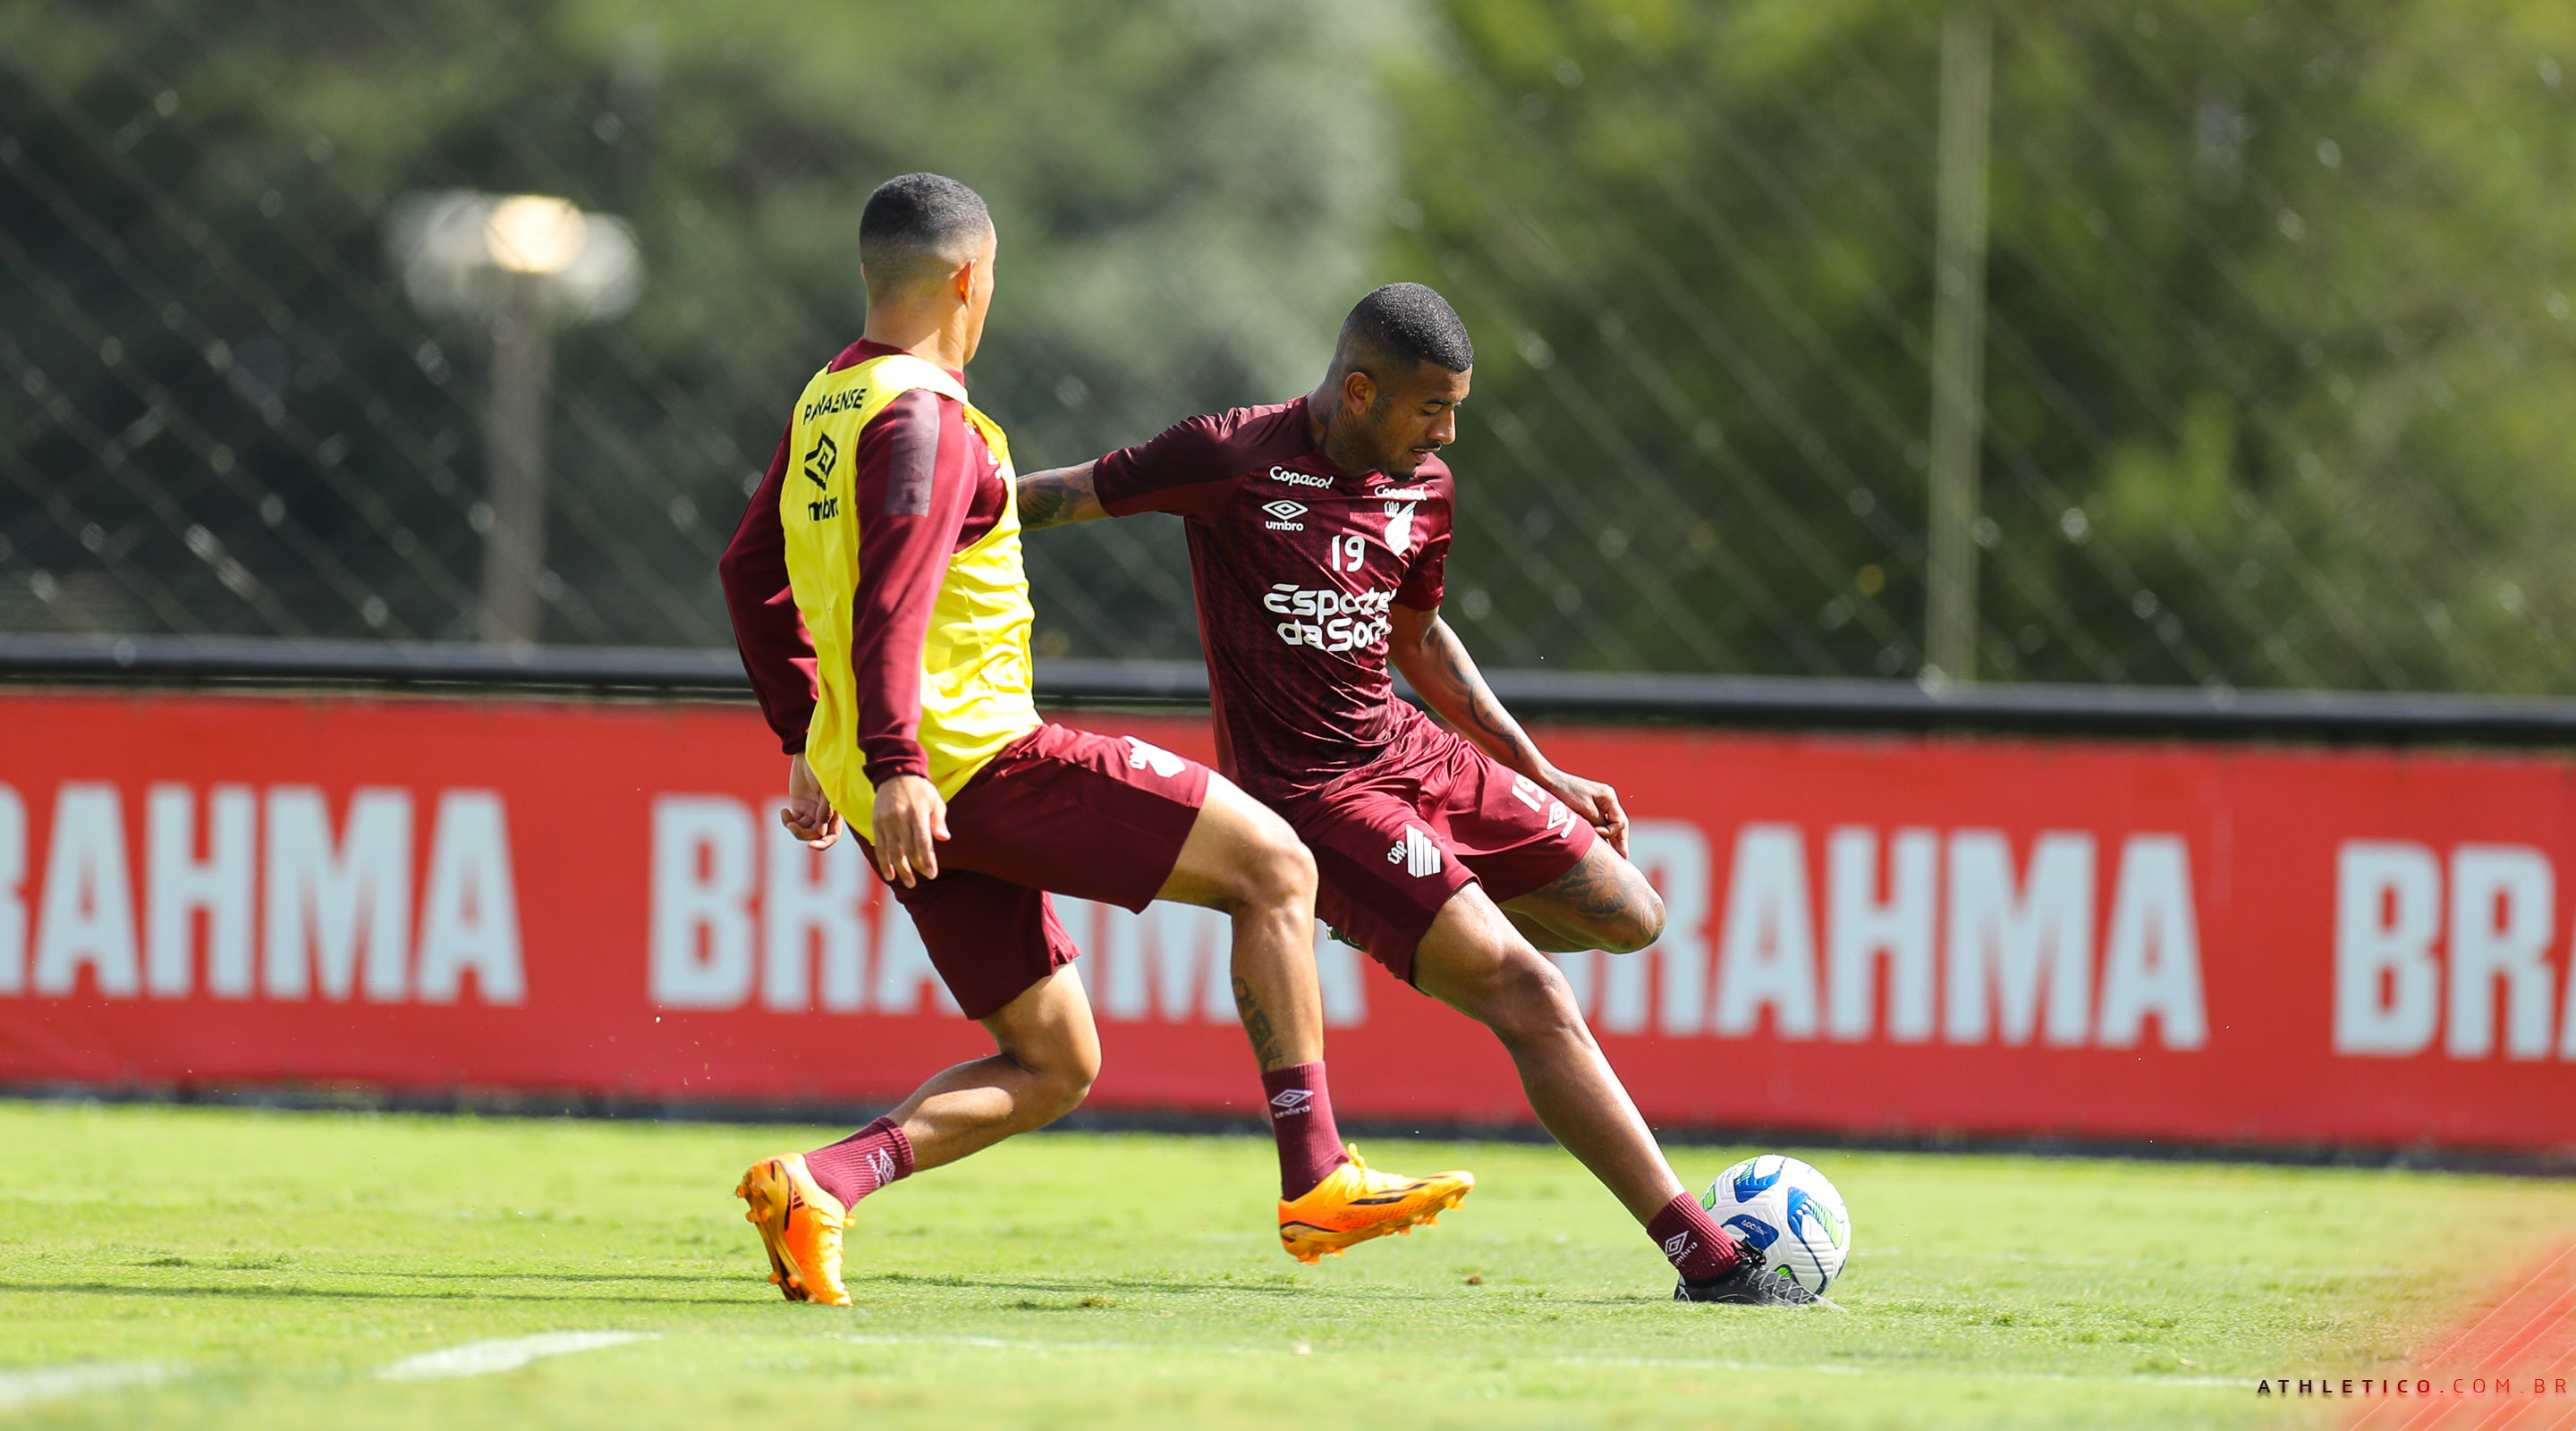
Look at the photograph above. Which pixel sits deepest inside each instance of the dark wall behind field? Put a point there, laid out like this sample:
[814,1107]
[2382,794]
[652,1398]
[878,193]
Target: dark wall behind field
[2279,342]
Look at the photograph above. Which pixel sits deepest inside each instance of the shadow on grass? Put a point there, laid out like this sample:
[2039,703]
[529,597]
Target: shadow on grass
[604,1288]
[354,1294]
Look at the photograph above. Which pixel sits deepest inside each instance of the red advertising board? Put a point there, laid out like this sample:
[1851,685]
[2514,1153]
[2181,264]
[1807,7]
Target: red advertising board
[1872,935]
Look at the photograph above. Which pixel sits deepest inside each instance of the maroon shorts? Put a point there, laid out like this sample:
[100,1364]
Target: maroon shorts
[1098,817]
[1396,840]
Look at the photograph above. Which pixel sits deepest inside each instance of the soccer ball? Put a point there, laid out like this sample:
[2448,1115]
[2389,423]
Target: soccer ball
[1785,1211]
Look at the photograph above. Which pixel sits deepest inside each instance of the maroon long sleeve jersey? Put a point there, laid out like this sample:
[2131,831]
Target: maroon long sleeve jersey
[927,488]
[1297,568]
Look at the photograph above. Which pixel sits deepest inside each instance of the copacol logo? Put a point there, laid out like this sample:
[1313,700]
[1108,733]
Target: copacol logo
[1284,515]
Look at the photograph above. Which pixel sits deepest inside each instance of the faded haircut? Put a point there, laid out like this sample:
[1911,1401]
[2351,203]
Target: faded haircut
[1398,327]
[919,227]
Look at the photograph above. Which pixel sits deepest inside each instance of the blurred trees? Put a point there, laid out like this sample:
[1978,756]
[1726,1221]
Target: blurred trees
[2280,351]
[2279,364]
[217,412]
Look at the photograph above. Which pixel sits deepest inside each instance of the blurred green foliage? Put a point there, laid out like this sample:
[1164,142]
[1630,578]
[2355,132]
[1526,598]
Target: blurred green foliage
[2280,357]
[2281,374]
[1187,196]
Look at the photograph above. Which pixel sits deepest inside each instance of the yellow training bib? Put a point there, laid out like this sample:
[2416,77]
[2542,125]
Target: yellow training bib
[975,672]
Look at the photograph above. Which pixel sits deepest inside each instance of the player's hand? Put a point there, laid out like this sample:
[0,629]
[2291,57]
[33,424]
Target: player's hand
[809,815]
[910,818]
[1597,803]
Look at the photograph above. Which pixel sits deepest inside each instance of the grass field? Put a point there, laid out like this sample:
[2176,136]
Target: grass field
[167,1267]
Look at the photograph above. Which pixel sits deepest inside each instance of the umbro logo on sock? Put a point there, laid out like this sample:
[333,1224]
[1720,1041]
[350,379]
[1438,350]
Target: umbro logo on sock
[1289,1102]
[1416,852]
[1677,1247]
[881,1163]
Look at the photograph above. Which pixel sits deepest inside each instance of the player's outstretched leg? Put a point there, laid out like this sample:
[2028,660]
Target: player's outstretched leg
[1602,903]
[1243,859]
[1474,961]
[1047,1053]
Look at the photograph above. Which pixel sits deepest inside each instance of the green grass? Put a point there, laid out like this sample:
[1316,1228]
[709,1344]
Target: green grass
[273,1263]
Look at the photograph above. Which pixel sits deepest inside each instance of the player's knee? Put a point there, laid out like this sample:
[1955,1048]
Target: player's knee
[1276,871]
[1065,1083]
[1529,998]
[1636,925]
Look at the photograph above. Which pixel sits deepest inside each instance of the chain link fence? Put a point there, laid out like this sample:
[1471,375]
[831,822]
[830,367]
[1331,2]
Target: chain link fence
[2275,333]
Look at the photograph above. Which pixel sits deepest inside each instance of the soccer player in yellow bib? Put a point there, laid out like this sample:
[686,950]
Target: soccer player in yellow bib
[878,598]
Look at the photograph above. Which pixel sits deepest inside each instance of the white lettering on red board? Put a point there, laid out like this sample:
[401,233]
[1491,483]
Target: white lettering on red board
[2406,956]
[1846,933]
[740,908]
[1924,934]
[266,896]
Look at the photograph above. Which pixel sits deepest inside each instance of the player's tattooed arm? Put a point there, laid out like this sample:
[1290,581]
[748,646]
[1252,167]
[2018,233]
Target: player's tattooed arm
[1433,658]
[1057,496]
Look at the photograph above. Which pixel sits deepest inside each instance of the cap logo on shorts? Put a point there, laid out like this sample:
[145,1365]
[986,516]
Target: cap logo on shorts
[1416,853]
[1141,756]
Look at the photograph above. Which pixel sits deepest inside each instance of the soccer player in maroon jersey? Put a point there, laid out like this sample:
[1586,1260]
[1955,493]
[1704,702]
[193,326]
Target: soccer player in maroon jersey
[897,543]
[1319,536]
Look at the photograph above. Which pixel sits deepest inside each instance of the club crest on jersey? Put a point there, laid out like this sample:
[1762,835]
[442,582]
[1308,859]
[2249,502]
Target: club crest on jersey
[1284,514]
[1399,526]
[1416,852]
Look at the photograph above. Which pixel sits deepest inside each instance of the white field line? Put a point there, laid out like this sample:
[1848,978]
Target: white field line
[52,1383]
[1667,1363]
[507,1354]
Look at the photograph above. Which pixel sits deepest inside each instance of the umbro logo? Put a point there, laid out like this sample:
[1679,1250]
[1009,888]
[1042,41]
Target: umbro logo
[1416,852]
[1289,1102]
[1284,514]
[1677,1246]
[881,1163]
[818,462]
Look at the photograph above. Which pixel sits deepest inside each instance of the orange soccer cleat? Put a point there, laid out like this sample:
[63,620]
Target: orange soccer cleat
[1355,1203]
[800,1224]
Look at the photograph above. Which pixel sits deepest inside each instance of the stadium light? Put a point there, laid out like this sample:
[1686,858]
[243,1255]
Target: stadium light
[518,266]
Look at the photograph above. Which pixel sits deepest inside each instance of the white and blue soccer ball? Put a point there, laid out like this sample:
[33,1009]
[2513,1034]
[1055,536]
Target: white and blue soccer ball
[1786,1212]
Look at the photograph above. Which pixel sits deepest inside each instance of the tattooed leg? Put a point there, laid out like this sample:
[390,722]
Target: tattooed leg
[1601,903]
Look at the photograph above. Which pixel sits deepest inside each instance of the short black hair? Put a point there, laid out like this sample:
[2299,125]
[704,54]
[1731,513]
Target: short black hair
[1401,325]
[919,226]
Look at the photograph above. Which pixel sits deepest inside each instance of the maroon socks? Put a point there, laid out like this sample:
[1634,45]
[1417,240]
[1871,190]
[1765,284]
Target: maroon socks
[1697,1247]
[862,1162]
[1301,1118]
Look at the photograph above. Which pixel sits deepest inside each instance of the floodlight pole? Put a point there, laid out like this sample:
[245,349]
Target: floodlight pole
[1958,342]
[514,460]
